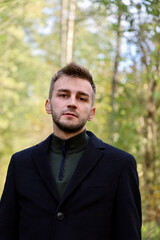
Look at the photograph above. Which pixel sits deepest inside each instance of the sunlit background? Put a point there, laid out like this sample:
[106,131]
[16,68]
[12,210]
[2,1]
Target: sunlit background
[119,41]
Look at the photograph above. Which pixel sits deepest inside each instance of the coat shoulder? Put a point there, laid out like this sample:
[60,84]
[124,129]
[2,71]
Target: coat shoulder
[111,152]
[26,153]
[116,151]
[119,156]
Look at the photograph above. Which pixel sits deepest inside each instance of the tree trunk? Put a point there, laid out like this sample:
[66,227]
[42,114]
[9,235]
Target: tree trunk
[63,32]
[70,31]
[115,73]
[150,156]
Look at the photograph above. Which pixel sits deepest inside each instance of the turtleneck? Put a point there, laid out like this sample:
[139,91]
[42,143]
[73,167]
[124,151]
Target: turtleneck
[72,145]
[64,156]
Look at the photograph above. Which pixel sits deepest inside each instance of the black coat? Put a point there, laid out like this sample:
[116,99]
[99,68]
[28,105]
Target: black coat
[101,202]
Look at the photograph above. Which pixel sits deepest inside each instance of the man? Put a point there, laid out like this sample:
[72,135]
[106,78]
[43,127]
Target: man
[71,186]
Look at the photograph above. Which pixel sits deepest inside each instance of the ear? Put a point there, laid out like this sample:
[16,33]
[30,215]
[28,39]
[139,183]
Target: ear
[48,106]
[92,113]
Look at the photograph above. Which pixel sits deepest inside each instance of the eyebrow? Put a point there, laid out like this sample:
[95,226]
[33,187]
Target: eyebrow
[68,91]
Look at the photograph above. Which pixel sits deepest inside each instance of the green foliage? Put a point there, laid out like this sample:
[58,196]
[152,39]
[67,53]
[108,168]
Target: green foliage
[150,230]
[21,73]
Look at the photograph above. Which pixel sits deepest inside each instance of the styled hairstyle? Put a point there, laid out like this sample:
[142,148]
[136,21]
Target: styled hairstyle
[73,70]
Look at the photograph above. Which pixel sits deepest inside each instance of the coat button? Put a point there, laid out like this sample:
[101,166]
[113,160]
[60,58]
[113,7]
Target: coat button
[60,215]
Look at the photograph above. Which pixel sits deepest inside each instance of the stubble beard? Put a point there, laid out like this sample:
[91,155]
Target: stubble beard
[68,128]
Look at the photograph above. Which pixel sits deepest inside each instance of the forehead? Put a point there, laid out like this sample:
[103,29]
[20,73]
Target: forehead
[73,84]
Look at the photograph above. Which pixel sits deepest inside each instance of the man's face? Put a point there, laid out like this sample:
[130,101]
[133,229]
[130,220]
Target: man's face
[71,104]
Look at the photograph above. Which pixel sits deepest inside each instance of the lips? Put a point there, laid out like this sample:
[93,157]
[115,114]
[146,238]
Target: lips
[70,114]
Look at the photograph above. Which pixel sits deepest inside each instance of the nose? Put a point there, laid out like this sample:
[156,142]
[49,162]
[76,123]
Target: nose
[72,103]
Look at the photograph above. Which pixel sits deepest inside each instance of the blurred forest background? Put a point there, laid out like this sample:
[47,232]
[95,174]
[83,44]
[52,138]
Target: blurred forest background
[119,41]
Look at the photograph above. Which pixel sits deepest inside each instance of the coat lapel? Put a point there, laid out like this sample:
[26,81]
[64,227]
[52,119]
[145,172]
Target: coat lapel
[41,159]
[90,157]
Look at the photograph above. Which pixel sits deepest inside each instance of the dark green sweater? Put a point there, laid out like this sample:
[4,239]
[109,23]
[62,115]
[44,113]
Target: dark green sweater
[64,156]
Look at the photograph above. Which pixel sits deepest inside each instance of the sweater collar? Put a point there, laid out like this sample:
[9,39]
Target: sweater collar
[72,145]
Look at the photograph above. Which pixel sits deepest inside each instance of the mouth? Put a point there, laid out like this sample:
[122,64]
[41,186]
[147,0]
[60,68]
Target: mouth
[70,114]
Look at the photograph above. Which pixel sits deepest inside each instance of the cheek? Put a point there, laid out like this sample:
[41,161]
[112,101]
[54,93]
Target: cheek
[56,105]
[86,111]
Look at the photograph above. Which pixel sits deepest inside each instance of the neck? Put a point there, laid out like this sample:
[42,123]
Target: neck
[65,135]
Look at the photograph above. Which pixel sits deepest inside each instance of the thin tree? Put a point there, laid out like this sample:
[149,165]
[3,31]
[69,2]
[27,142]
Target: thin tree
[63,32]
[115,70]
[70,31]
[116,62]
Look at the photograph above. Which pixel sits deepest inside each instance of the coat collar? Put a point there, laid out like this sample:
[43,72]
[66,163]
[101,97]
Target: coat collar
[91,155]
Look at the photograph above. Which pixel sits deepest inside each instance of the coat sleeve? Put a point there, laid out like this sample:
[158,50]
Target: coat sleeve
[128,203]
[9,207]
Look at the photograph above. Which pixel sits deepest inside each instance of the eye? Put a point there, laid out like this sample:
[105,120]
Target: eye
[82,99]
[63,95]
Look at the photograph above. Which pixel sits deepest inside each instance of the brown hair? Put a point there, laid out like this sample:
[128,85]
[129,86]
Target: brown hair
[74,70]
